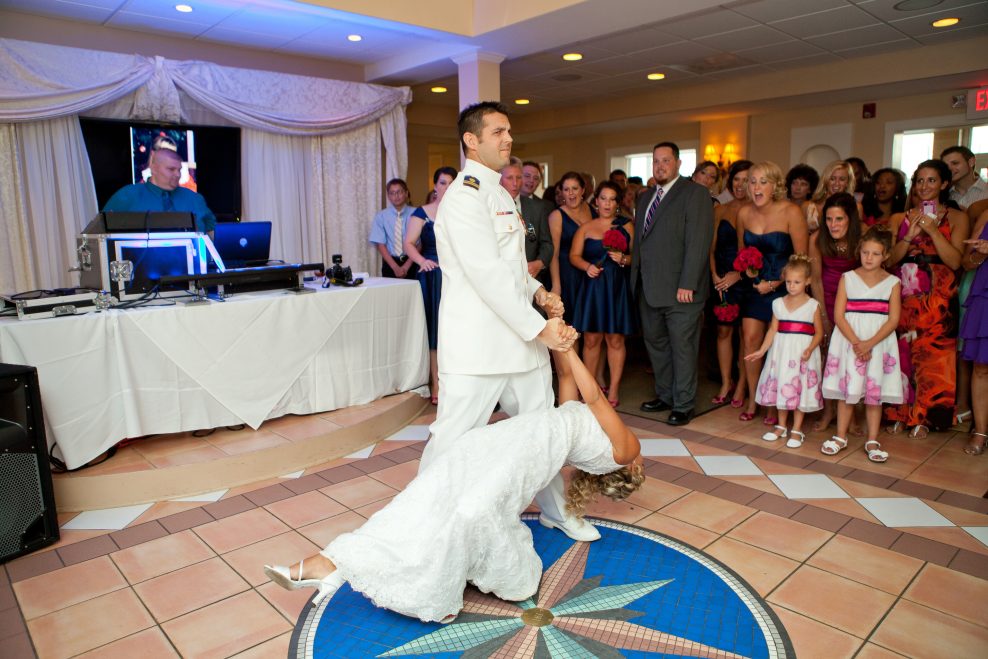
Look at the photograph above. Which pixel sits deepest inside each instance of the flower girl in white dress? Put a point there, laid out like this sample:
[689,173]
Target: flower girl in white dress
[790,379]
[458,520]
[863,362]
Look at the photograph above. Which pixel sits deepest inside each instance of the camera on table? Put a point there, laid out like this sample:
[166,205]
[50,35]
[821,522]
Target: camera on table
[339,274]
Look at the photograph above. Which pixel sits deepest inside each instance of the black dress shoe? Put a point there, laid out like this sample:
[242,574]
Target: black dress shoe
[655,405]
[679,418]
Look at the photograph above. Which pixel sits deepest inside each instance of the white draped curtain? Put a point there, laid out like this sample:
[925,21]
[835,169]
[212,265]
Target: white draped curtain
[311,149]
[320,182]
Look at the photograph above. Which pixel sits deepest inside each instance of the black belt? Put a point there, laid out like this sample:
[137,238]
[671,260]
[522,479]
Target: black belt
[920,259]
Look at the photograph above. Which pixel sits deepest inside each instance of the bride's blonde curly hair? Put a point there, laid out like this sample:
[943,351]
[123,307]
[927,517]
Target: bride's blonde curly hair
[617,485]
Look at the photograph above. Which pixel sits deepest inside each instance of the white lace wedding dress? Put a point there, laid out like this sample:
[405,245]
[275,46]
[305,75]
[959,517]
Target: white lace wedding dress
[458,521]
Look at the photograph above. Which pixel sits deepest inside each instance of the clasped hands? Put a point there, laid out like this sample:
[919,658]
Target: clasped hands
[862,350]
[728,280]
[551,303]
[556,334]
[920,222]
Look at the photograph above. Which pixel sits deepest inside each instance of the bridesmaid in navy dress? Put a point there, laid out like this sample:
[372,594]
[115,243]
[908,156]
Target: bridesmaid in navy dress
[566,280]
[603,308]
[420,245]
[727,280]
[776,227]
[563,224]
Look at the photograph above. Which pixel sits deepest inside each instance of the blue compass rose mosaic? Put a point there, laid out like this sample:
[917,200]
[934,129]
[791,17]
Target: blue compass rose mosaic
[633,593]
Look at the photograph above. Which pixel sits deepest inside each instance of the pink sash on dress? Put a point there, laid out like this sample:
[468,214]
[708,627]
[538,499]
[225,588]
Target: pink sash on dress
[867,306]
[796,327]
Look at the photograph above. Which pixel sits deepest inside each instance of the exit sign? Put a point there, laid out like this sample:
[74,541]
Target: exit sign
[977,103]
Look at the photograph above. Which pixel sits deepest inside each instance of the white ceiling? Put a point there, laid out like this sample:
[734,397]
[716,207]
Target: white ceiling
[688,40]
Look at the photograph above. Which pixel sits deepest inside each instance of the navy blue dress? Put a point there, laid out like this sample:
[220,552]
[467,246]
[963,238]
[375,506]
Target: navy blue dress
[725,251]
[432,281]
[570,279]
[604,304]
[776,248]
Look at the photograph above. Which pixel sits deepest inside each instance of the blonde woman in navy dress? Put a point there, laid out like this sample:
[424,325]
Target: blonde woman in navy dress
[776,227]
[566,280]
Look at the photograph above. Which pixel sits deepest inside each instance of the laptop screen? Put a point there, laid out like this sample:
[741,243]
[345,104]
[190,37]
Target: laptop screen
[243,243]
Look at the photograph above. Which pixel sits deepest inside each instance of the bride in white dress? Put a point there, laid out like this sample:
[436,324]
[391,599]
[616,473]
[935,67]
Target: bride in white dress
[458,521]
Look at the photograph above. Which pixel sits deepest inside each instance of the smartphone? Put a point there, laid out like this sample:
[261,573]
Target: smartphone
[930,208]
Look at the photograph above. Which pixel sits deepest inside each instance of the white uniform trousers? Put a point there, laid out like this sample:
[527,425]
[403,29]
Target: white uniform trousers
[467,402]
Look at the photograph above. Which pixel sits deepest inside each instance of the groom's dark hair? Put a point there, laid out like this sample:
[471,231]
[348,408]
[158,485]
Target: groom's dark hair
[471,118]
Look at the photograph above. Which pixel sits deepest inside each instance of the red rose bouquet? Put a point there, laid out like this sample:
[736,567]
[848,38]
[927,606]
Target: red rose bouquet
[749,261]
[614,241]
[726,313]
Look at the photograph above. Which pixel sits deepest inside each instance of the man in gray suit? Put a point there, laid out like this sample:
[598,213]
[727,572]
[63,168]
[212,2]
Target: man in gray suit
[535,216]
[670,274]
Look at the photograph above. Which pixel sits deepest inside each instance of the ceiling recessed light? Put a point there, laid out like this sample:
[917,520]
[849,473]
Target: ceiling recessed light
[439,90]
[522,101]
[572,57]
[185,9]
[914,5]
[354,37]
[656,76]
[946,22]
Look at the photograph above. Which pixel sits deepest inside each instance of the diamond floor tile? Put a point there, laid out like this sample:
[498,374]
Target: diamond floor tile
[808,486]
[107,518]
[979,532]
[410,433]
[362,453]
[664,448]
[907,511]
[727,465]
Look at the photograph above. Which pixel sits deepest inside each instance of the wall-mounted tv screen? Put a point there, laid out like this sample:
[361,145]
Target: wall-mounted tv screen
[119,151]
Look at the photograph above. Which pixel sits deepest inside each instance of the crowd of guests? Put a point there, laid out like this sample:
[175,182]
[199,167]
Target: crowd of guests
[830,291]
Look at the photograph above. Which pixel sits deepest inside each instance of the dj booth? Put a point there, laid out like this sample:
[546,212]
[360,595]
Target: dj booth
[116,374]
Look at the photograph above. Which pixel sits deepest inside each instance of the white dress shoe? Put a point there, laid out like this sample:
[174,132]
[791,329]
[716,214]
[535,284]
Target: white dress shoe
[576,528]
[326,586]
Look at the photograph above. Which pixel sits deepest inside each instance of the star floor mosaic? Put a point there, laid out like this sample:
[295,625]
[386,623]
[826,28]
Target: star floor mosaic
[633,593]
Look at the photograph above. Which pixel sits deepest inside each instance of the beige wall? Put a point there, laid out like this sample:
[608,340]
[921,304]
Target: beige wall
[770,131]
[762,136]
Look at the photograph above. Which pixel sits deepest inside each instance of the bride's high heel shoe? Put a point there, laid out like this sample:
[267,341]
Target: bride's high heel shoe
[326,586]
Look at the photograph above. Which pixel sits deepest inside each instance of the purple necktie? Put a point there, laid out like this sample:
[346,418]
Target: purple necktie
[650,213]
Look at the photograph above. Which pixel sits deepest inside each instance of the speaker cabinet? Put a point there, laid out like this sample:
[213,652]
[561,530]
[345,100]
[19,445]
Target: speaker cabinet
[27,503]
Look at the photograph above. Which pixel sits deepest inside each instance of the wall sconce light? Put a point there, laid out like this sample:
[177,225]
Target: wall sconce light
[724,157]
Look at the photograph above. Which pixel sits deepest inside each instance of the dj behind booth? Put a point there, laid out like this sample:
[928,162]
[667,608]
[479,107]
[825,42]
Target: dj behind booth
[163,193]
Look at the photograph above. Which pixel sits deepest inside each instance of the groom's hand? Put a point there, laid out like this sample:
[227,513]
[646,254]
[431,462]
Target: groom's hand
[556,335]
[551,303]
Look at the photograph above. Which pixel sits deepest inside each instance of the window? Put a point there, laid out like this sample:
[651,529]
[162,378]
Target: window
[916,147]
[640,164]
[979,139]
[688,156]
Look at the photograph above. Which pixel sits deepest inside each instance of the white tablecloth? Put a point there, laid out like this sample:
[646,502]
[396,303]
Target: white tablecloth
[118,374]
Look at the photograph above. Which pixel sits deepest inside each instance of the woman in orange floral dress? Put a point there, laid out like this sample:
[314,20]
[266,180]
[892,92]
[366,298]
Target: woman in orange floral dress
[927,251]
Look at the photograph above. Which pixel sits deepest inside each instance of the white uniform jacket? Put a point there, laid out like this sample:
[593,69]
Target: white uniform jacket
[486,319]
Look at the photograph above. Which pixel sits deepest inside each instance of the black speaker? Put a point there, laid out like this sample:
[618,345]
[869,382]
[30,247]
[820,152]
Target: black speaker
[27,502]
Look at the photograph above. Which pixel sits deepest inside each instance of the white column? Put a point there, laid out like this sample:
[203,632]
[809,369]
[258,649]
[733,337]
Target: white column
[479,77]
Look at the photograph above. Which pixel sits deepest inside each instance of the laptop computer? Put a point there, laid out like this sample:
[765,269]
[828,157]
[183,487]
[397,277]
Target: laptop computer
[243,244]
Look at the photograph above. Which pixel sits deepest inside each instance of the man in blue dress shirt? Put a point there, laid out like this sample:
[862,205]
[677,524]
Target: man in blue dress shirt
[162,192]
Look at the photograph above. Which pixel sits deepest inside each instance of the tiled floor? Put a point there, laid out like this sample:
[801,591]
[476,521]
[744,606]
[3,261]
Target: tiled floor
[856,559]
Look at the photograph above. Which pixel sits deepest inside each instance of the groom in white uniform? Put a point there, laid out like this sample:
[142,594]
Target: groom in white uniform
[492,342]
